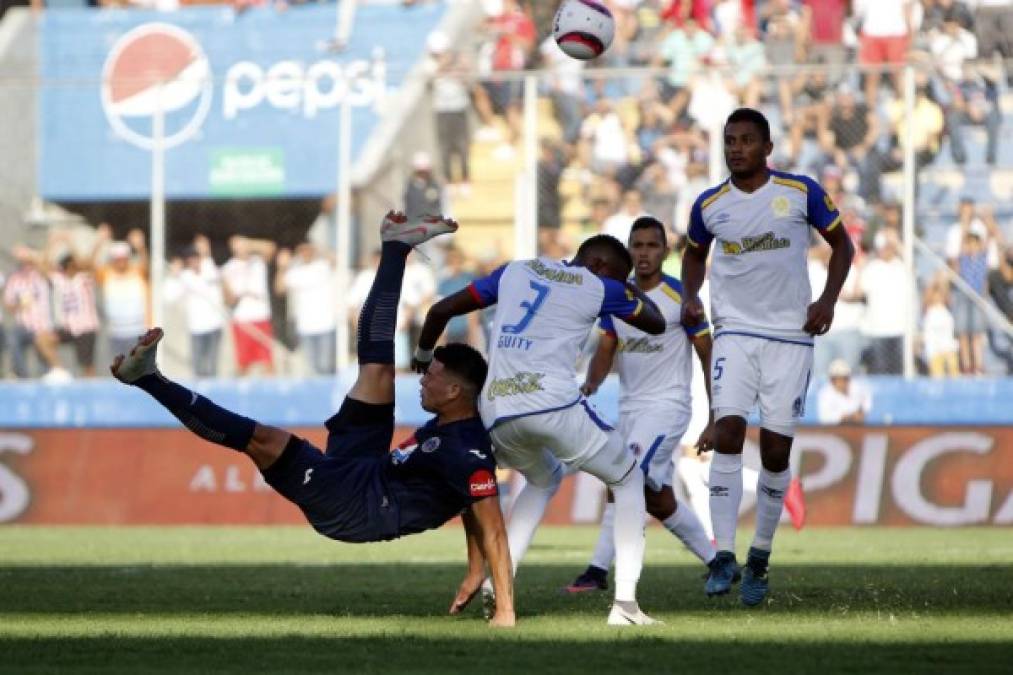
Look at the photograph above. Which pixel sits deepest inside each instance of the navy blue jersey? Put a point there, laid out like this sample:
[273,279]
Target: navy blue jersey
[438,472]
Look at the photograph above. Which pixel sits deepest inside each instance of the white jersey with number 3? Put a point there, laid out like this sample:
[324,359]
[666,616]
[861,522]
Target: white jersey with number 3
[545,310]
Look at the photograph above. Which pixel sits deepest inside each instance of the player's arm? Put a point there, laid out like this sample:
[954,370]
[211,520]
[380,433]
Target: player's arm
[485,519]
[477,295]
[437,318]
[649,318]
[627,302]
[694,266]
[826,218]
[702,345]
[601,362]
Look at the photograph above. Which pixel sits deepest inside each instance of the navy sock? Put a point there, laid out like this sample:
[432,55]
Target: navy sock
[378,319]
[198,414]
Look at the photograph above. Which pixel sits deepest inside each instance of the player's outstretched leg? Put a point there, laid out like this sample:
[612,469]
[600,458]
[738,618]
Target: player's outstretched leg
[378,318]
[197,413]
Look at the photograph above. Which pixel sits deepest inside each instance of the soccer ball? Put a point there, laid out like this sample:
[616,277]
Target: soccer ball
[583,28]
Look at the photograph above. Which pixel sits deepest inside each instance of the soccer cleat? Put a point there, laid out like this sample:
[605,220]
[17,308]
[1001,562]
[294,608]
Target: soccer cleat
[397,227]
[723,573]
[629,616]
[488,603]
[591,579]
[754,578]
[141,359]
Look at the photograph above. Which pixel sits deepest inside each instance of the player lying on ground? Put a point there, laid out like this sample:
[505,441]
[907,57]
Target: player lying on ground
[765,321]
[538,419]
[359,490]
[655,403]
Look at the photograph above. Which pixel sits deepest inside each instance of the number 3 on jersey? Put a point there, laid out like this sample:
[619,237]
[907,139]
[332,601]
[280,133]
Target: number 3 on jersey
[530,309]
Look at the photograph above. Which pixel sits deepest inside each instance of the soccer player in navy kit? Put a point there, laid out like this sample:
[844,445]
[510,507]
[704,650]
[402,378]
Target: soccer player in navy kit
[359,490]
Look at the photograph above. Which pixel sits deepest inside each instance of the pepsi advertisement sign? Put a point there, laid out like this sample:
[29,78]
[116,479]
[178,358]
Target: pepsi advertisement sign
[249,103]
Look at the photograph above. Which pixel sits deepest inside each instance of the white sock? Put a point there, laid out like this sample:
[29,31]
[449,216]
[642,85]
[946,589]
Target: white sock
[525,516]
[605,549]
[726,493]
[689,530]
[770,490]
[629,534]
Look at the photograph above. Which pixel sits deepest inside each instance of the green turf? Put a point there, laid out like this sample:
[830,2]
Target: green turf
[242,600]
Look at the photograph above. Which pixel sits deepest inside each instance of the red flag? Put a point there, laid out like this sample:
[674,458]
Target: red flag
[794,501]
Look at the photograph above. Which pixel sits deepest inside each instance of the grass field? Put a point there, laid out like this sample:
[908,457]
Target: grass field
[224,600]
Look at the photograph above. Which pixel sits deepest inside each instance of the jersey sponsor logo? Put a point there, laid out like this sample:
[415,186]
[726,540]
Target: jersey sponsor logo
[430,444]
[780,206]
[401,453]
[479,454]
[482,483]
[307,476]
[521,383]
[553,274]
[765,242]
[640,345]
[513,342]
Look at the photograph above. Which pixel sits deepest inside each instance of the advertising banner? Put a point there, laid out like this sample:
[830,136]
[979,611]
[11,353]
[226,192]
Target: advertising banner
[250,100]
[897,476]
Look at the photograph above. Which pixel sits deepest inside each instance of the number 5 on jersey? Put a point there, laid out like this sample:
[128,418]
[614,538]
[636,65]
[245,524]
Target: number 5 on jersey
[530,309]
[719,368]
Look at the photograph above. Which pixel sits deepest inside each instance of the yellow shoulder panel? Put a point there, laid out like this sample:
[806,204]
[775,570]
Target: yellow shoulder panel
[788,182]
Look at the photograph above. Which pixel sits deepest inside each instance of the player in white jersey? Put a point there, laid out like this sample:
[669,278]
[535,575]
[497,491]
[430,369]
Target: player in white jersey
[539,420]
[655,374]
[764,325]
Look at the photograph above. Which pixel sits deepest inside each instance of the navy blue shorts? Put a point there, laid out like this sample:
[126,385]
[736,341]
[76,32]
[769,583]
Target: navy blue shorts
[340,491]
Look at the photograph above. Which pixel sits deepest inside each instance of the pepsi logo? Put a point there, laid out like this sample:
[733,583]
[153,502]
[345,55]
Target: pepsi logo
[156,65]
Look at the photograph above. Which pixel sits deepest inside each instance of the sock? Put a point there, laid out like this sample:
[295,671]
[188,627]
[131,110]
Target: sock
[726,495]
[198,414]
[689,530]
[770,490]
[605,549]
[629,534]
[378,318]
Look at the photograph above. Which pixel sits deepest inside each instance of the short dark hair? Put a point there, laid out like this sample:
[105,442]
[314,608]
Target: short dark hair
[606,245]
[754,117]
[465,362]
[648,223]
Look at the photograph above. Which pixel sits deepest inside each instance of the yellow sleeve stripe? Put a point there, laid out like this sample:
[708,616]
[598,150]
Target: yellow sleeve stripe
[689,240]
[837,221]
[788,182]
[714,197]
[640,306]
[670,292]
[705,331]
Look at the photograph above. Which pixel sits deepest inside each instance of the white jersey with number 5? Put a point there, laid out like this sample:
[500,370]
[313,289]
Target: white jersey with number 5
[545,310]
[759,274]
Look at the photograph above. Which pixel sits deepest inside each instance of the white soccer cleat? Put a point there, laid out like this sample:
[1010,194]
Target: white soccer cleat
[141,359]
[397,227]
[622,617]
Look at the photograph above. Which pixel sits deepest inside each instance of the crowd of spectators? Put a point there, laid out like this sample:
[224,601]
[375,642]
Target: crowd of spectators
[250,306]
[828,74]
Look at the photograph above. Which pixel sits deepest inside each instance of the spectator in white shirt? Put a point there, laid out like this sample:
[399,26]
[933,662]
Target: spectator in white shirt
[308,278]
[939,341]
[887,290]
[196,281]
[246,292]
[844,340]
[841,400]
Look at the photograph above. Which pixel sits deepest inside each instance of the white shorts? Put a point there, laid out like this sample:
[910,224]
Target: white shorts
[652,435]
[774,374]
[540,445]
